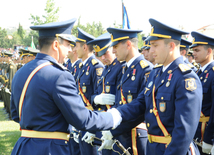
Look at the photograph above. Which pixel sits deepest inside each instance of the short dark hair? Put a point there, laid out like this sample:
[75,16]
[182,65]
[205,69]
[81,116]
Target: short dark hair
[47,41]
[90,46]
[133,40]
[177,42]
[208,46]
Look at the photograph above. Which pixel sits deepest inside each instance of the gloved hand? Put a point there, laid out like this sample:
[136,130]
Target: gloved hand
[117,119]
[88,137]
[212,150]
[75,135]
[104,99]
[106,144]
[107,135]
[206,148]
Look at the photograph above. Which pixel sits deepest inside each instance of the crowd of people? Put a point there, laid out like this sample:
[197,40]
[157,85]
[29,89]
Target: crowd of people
[86,96]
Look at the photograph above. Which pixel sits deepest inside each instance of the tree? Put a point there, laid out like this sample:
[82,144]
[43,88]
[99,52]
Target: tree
[21,31]
[50,16]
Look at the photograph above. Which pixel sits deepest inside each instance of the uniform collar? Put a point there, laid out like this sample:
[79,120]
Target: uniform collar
[205,66]
[132,60]
[165,68]
[46,57]
[74,62]
[84,62]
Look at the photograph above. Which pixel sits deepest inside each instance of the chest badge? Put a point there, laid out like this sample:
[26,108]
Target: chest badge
[205,80]
[162,106]
[150,84]
[108,89]
[84,89]
[133,74]
[169,79]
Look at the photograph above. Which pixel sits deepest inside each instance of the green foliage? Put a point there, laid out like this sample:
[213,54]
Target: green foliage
[21,31]
[51,14]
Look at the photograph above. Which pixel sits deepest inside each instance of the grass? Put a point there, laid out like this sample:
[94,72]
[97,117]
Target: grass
[9,132]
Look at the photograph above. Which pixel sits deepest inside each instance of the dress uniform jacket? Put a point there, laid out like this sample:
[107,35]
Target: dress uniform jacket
[110,79]
[51,103]
[177,94]
[88,77]
[132,83]
[68,65]
[190,65]
[207,80]
[75,69]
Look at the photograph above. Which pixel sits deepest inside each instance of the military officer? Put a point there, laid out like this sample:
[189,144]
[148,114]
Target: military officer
[135,74]
[112,73]
[45,100]
[144,45]
[192,60]
[147,54]
[23,53]
[171,100]
[203,47]
[184,47]
[89,74]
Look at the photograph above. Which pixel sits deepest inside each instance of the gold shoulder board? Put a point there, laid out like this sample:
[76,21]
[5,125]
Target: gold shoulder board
[94,62]
[190,65]
[184,67]
[143,64]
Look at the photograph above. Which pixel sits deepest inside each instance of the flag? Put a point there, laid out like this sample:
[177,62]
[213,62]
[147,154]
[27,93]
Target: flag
[32,44]
[125,17]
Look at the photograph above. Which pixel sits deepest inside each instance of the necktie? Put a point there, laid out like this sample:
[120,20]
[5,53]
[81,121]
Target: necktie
[126,68]
[199,72]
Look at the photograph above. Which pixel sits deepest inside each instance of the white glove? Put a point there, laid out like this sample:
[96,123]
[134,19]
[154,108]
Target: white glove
[206,148]
[106,144]
[75,135]
[88,137]
[117,119]
[107,135]
[104,99]
[212,151]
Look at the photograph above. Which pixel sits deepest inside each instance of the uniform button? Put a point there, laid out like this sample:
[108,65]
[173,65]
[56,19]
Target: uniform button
[148,125]
[107,82]
[150,110]
[120,102]
[201,78]
[162,81]
[127,75]
[66,142]
[138,134]
[161,98]
[82,70]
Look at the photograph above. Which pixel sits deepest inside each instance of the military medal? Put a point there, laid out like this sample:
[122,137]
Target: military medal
[169,79]
[205,80]
[75,70]
[87,70]
[133,74]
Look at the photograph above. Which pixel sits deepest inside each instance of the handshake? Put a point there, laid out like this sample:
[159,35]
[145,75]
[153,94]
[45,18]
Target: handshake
[104,99]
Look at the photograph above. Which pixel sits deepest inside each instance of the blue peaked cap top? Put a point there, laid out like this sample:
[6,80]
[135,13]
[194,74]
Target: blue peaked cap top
[55,28]
[201,39]
[145,43]
[184,43]
[101,44]
[163,31]
[118,35]
[84,36]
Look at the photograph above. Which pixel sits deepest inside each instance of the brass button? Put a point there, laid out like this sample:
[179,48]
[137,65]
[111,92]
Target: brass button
[151,111]
[161,98]
[138,134]
[148,125]
[129,91]
[107,82]
[82,70]
[162,81]
[83,83]
[120,102]
[66,142]
[127,75]
[201,78]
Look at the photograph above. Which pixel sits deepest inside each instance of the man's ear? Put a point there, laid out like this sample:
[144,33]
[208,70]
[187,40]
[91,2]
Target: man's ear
[55,45]
[129,44]
[172,45]
[210,51]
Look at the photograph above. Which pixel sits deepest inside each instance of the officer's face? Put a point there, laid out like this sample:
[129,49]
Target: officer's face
[63,50]
[120,50]
[160,51]
[200,54]
[146,54]
[108,57]
[71,52]
[143,52]
[150,57]
[79,49]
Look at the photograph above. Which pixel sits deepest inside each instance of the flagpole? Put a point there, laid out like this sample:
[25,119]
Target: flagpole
[122,13]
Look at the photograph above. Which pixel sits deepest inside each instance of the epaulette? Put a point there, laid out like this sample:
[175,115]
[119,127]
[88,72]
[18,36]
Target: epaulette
[160,65]
[184,67]
[190,65]
[80,65]
[143,63]
[94,62]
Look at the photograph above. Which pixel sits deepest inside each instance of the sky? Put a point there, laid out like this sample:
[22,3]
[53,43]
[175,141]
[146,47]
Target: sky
[189,14]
